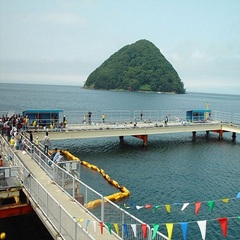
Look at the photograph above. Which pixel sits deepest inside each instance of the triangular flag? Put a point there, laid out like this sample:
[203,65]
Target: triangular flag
[125,205]
[238,218]
[155,229]
[197,207]
[202,226]
[101,227]
[238,195]
[87,223]
[94,226]
[116,228]
[211,205]
[139,207]
[223,223]
[225,200]
[125,229]
[184,226]
[109,228]
[169,229]
[156,207]
[144,230]
[168,207]
[148,206]
[134,228]
[184,206]
[133,205]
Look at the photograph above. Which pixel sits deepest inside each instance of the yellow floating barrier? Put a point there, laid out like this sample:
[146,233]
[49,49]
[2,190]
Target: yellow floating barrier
[114,197]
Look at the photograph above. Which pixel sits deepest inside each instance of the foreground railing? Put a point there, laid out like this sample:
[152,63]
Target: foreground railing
[106,212]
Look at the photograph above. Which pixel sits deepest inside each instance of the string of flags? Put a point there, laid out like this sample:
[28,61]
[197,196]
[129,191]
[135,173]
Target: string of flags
[202,224]
[168,207]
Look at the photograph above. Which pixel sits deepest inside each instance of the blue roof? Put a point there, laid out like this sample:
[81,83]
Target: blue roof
[43,111]
[199,110]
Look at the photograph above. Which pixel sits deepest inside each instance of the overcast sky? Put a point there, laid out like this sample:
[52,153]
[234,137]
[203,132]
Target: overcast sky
[63,41]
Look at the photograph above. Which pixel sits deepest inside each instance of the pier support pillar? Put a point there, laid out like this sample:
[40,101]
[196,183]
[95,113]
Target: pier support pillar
[233,135]
[143,137]
[220,137]
[121,138]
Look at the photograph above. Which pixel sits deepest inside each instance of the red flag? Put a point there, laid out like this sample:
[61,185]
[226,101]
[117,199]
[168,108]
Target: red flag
[223,223]
[197,207]
[148,206]
[101,227]
[144,230]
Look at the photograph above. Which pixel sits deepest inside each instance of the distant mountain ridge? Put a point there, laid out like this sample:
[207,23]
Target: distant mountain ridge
[136,67]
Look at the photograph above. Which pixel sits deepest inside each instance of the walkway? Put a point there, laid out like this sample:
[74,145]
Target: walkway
[74,209]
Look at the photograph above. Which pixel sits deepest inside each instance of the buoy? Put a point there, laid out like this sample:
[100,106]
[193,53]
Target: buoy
[3,235]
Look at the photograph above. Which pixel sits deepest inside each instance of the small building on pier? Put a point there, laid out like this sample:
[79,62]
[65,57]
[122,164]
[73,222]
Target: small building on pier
[43,117]
[198,115]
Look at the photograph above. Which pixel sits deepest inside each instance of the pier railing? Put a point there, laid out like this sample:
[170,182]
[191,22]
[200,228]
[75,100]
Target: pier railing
[106,211]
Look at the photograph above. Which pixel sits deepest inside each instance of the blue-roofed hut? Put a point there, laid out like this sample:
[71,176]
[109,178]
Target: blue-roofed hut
[198,115]
[44,117]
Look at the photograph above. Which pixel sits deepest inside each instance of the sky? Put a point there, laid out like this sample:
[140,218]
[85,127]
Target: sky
[60,42]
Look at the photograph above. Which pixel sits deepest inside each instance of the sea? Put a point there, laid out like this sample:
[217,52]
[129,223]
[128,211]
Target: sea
[172,170]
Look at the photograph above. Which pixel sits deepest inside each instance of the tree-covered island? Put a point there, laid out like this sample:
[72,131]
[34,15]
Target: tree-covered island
[136,67]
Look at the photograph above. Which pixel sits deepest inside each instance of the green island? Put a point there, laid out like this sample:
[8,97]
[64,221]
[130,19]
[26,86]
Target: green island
[136,67]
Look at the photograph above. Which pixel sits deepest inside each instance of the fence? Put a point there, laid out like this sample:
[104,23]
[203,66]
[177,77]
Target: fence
[106,212]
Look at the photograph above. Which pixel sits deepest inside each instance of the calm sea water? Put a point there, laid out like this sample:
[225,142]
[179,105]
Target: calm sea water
[173,169]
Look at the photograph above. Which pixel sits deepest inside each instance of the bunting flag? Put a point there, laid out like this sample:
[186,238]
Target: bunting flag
[169,230]
[125,229]
[94,226]
[238,195]
[184,227]
[144,230]
[155,229]
[185,205]
[197,207]
[109,228]
[125,205]
[101,227]
[224,224]
[211,205]
[116,228]
[168,207]
[132,205]
[156,207]
[202,226]
[225,200]
[87,223]
[148,206]
[134,228]
[139,207]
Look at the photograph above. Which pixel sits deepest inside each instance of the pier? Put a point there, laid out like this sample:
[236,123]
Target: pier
[60,198]
[141,131]
[57,194]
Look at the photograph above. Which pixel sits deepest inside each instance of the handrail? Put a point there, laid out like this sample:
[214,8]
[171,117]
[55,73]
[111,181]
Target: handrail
[75,190]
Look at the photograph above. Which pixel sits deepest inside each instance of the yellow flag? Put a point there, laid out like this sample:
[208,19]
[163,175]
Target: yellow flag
[116,228]
[168,207]
[169,230]
[225,200]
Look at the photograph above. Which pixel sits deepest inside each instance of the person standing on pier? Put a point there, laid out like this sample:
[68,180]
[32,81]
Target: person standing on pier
[47,143]
[89,117]
[103,117]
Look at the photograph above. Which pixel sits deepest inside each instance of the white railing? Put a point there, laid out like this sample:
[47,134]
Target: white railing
[106,212]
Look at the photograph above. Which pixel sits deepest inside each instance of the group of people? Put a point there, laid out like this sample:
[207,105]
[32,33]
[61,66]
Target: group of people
[57,157]
[16,123]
